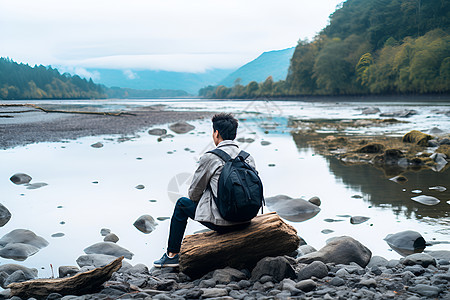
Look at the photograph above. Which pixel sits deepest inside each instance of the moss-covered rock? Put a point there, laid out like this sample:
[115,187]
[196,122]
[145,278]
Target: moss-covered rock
[417,137]
[371,148]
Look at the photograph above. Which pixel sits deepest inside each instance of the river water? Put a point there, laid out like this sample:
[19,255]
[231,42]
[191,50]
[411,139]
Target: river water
[93,188]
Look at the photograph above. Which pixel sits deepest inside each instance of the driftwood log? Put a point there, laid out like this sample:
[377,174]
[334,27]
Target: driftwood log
[267,235]
[79,284]
[66,111]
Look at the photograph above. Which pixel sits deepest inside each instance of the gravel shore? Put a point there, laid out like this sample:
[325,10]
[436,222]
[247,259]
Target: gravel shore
[17,129]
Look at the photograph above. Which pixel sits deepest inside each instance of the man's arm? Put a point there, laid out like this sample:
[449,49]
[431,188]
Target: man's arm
[201,178]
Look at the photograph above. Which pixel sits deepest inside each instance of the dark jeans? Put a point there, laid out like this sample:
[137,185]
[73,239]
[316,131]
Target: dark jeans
[184,209]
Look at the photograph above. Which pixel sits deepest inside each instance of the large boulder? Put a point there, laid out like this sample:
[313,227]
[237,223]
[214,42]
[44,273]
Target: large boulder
[5,215]
[277,267]
[145,224]
[294,210]
[340,250]
[181,127]
[108,248]
[20,178]
[406,242]
[19,244]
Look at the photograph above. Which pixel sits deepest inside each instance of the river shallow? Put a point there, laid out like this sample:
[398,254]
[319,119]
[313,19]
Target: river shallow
[93,188]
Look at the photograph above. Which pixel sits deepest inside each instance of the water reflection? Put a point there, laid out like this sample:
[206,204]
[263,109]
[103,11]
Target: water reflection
[374,183]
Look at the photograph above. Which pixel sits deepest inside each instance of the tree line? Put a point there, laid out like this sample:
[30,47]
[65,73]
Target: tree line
[21,81]
[373,47]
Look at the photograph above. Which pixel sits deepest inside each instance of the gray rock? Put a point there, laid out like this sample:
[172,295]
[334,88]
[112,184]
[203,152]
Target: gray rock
[440,254]
[277,267]
[23,236]
[108,248]
[340,250]
[392,263]
[305,249]
[406,242]
[419,259]
[306,285]
[111,237]
[265,143]
[425,290]
[315,200]
[225,276]
[244,284]
[426,200]
[140,187]
[17,276]
[145,224]
[97,145]
[53,296]
[20,178]
[343,273]
[337,281]
[416,270]
[18,251]
[370,111]
[37,185]
[377,261]
[65,271]
[367,283]
[358,219]
[207,283]
[8,269]
[157,131]
[214,292]
[105,231]
[433,143]
[181,127]
[138,269]
[95,260]
[317,269]
[295,210]
[5,215]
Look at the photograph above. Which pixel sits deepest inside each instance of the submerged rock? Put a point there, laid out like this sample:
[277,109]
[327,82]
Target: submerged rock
[181,127]
[37,185]
[145,224]
[426,200]
[108,248]
[157,131]
[20,178]
[358,219]
[340,250]
[399,179]
[295,210]
[406,242]
[5,215]
[97,145]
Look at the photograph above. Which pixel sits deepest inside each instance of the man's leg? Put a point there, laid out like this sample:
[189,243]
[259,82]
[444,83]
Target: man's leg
[184,209]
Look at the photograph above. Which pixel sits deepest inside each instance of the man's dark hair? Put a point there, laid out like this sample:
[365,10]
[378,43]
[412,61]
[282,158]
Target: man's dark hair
[226,124]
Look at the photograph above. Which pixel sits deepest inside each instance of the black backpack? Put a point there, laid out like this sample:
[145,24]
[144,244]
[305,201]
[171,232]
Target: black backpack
[240,190]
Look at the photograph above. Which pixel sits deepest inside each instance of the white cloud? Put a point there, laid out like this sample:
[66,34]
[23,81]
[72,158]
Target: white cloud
[130,74]
[159,33]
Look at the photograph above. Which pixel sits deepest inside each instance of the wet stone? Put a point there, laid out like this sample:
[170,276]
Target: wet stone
[20,178]
[425,290]
[5,215]
[306,285]
[426,200]
[157,131]
[58,234]
[145,224]
[108,248]
[111,237]
[97,145]
[327,231]
[422,259]
[105,231]
[337,281]
[358,219]
[140,187]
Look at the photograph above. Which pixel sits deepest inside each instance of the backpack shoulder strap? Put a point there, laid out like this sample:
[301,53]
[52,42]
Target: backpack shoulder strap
[220,153]
[243,154]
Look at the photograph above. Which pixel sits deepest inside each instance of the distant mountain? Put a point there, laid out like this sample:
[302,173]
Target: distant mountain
[160,80]
[272,63]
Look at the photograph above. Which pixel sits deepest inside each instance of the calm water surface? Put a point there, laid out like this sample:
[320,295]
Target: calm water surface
[76,206]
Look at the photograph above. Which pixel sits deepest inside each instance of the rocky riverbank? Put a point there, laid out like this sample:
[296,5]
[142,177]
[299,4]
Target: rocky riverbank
[19,126]
[343,269]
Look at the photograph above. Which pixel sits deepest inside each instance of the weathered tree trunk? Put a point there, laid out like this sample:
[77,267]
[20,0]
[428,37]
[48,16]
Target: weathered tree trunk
[79,284]
[267,235]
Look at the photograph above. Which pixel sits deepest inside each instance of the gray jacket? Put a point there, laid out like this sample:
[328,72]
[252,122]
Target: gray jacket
[206,177]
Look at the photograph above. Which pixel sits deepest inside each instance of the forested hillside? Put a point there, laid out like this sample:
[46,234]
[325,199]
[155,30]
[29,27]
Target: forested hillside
[370,47]
[20,81]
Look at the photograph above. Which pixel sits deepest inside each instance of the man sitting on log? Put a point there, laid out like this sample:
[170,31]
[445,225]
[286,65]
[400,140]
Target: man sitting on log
[200,205]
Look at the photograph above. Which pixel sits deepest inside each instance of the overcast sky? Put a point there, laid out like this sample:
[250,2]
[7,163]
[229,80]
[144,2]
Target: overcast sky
[172,35]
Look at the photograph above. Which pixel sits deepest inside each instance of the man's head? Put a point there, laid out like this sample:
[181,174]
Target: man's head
[224,126]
